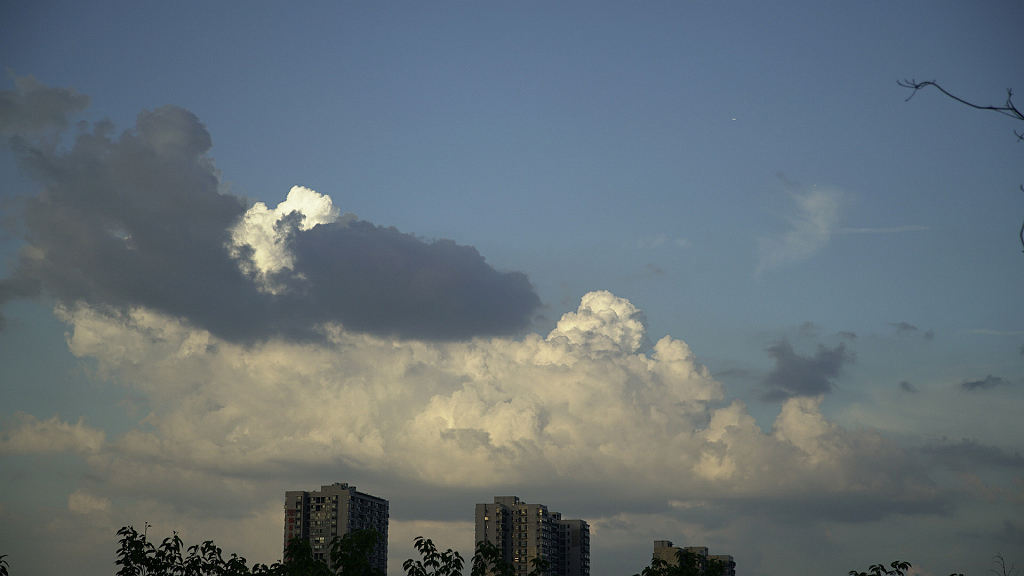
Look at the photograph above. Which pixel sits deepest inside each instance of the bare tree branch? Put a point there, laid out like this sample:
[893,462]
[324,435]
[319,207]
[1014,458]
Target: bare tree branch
[1009,109]
[999,562]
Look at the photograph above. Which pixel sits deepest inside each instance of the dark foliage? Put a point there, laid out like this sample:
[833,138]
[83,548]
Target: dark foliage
[350,554]
[687,564]
[137,556]
[488,560]
[899,568]
[434,563]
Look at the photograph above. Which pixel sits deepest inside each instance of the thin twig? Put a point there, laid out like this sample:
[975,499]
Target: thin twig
[1008,110]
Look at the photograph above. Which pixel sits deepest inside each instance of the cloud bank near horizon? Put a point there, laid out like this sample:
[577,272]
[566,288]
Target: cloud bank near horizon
[137,219]
[568,409]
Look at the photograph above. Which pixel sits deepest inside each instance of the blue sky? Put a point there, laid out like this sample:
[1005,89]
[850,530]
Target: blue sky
[542,194]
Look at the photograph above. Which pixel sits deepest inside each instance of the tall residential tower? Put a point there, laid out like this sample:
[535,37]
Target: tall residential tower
[527,531]
[334,510]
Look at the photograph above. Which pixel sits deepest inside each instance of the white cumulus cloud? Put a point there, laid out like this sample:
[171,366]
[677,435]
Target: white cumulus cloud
[583,407]
[604,322]
[260,231]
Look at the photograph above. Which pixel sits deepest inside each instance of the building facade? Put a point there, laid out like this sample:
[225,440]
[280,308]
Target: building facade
[335,510]
[528,531]
[664,550]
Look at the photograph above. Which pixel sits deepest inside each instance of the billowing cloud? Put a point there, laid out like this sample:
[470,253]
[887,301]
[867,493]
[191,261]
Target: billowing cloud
[605,323]
[264,234]
[35,110]
[571,410]
[382,281]
[797,375]
[811,226]
[137,219]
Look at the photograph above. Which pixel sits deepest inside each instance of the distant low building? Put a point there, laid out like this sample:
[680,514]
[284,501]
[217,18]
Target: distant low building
[335,510]
[527,531]
[664,550]
[730,563]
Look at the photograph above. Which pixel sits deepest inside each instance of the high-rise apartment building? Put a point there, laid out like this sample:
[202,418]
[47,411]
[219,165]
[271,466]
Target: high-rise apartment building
[334,510]
[527,531]
[664,550]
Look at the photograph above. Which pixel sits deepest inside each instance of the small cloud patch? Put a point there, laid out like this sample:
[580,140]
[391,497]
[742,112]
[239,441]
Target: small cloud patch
[985,383]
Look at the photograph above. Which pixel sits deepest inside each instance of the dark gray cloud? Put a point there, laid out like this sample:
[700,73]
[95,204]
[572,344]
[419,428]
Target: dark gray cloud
[134,220]
[808,330]
[846,508]
[653,270]
[34,110]
[137,219]
[905,328]
[847,335]
[902,327]
[797,375]
[989,381]
[377,279]
[907,387]
[969,454]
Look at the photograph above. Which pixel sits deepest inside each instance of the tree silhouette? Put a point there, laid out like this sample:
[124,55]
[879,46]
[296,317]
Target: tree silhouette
[350,553]
[1008,109]
[687,563]
[137,556]
[1003,569]
[299,561]
[434,563]
[898,569]
[488,560]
